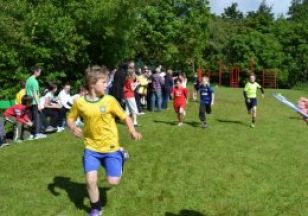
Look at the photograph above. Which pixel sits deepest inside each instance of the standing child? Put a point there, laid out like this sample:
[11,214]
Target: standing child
[18,115]
[179,95]
[207,98]
[129,95]
[100,133]
[250,94]
[21,92]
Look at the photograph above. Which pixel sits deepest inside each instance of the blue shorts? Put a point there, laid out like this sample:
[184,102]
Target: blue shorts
[252,103]
[112,162]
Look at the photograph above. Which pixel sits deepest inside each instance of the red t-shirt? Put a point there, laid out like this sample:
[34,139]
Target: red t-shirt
[18,111]
[128,91]
[179,95]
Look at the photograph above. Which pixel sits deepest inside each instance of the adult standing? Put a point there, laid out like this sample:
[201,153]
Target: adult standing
[157,82]
[32,89]
[167,89]
[119,80]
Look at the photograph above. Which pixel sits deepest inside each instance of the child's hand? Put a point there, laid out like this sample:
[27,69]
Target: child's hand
[212,104]
[77,131]
[29,123]
[248,100]
[135,135]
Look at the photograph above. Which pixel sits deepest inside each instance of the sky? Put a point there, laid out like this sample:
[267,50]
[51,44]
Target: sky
[278,6]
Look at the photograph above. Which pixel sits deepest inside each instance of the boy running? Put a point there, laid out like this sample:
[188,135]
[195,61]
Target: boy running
[100,133]
[207,98]
[179,95]
[250,94]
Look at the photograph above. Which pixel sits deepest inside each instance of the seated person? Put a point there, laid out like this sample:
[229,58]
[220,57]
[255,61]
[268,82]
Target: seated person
[51,108]
[65,101]
[18,115]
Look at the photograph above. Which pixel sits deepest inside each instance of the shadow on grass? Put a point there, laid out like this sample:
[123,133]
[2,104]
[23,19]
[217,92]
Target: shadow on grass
[193,123]
[76,192]
[231,121]
[165,122]
[185,213]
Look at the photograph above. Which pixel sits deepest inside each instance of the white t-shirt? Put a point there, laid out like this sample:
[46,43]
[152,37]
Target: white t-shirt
[64,99]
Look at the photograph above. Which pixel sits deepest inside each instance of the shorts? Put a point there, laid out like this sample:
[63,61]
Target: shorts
[252,103]
[112,162]
[179,107]
[131,106]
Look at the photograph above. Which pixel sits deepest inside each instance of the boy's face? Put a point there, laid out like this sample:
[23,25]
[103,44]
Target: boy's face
[252,78]
[205,80]
[67,88]
[177,84]
[100,86]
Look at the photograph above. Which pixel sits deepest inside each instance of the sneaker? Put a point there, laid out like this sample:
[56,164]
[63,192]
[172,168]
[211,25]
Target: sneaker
[60,129]
[31,137]
[50,129]
[4,145]
[17,141]
[39,136]
[204,125]
[180,124]
[95,212]
[141,113]
[252,125]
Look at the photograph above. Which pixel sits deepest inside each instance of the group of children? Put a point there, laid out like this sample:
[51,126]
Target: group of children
[99,112]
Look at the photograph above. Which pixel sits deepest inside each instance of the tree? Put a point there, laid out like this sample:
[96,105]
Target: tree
[232,12]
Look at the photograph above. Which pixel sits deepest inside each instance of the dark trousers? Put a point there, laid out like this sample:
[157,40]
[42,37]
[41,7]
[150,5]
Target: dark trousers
[35,118]
[62,116]
[53,114]
[203,109]
[2,131]
[165,98]
[138,101]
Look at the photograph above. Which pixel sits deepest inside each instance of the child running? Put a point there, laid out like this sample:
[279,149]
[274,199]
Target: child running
[250,94]
[100,133]
[179,95]
[207,98]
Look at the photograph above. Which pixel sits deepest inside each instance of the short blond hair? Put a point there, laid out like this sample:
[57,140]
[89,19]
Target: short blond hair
[94,73]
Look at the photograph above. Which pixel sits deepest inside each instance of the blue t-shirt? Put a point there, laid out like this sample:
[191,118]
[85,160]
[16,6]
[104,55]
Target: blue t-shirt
[205,94]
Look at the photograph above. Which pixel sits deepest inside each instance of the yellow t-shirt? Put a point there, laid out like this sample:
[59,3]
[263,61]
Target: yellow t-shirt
[251,89]
[100,130]
[19,96]
[143,84]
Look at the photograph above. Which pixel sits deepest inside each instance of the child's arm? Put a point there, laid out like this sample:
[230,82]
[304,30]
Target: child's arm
[131,129]
[71,118]
[74,129]
[262,90]
[213,99]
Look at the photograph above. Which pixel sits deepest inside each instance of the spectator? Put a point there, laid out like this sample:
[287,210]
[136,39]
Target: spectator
[51,109]
[65,102]
[21,92]
[167,89]
[157,83]
[18,115]
[32,89]
[119,80]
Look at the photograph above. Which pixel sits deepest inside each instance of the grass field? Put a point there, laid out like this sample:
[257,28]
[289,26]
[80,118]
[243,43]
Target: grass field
[227,169]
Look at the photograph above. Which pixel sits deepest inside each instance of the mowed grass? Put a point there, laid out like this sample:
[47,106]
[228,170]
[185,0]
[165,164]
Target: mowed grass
[227,169]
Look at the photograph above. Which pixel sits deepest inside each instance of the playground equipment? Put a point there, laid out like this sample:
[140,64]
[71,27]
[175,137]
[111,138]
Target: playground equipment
[234,77]
[269,78]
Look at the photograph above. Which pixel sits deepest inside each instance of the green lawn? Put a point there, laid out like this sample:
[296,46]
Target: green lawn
[227,169]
